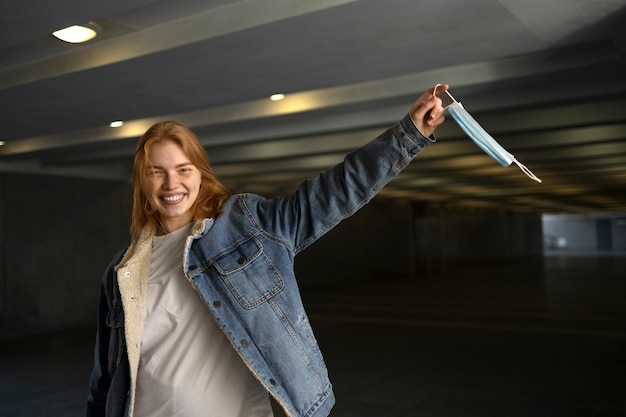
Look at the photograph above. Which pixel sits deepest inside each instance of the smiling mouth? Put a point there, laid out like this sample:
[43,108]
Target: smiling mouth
[172,199]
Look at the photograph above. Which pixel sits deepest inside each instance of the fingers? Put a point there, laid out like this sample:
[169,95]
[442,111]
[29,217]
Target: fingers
[422,106]
[436,115]
[428,101]
[427,111]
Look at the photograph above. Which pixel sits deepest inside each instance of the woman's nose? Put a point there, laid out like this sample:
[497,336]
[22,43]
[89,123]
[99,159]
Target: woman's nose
[171,182]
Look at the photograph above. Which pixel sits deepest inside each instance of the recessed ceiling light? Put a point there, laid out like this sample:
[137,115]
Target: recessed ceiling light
[1,142]
[78,33]
[277,97]
[116,123]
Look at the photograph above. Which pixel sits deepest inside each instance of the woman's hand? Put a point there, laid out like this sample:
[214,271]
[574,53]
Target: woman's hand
[427,112]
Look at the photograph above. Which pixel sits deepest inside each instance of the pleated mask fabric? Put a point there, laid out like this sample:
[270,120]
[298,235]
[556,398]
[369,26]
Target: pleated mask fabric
[481,138]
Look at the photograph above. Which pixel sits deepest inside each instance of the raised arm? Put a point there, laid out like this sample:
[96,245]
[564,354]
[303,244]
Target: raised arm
[324,200]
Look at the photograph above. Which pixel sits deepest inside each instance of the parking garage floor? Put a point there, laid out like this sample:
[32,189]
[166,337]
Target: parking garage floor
[543,337]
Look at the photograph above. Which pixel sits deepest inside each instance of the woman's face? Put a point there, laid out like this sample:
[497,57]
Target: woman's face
[173,183]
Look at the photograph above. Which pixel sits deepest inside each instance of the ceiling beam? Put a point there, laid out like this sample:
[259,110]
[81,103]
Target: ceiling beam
[200,26]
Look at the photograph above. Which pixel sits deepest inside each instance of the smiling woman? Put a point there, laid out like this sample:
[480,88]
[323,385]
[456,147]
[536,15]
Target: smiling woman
[167,156]
[172,184]
[213,321]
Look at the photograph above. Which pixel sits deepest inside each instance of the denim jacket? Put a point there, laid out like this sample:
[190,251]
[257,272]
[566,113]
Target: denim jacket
[241,264]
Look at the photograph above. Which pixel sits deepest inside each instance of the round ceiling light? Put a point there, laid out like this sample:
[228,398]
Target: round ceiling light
[78,33]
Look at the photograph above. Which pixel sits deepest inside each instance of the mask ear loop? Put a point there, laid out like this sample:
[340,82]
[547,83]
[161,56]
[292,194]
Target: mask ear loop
[435,91]
[526,170]
[449,95]
[521,166]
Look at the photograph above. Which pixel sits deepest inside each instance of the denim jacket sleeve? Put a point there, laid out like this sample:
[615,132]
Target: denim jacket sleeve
[321,202]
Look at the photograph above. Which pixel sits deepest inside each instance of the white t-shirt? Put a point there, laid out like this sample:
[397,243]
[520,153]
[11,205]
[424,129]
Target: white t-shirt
[187,366]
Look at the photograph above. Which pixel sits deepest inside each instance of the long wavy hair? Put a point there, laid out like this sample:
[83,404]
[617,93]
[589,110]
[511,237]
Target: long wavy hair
[212,193]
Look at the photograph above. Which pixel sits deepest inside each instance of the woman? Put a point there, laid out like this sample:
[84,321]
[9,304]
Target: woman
[201,314]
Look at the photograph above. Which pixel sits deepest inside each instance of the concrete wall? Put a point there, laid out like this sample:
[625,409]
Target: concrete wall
[387,240]
[57,235]
[619,232]
[375,243]
[449,236]
[582,232]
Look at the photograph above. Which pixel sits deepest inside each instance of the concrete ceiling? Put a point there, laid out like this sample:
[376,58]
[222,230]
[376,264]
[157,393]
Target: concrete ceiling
[546,78]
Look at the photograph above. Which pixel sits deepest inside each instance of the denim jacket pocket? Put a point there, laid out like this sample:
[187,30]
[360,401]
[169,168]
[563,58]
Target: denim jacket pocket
[248,273]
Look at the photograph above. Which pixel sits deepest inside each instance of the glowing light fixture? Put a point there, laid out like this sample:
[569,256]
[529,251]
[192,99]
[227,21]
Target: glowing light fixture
[116,123]
[78,33]
[277,97]
[1,142]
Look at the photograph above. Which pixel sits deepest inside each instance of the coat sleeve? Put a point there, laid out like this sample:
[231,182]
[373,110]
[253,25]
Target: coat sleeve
[100,381]
[109,350]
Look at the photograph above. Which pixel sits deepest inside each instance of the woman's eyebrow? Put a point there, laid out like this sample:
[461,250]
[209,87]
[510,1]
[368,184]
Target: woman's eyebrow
[184,164]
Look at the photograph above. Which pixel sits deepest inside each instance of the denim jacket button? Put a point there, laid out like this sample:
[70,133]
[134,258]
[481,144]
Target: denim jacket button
[272,381]
[217,304]
[240,261]
[244,343]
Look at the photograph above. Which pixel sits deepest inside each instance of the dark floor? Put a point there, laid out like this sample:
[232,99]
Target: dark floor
[534,338]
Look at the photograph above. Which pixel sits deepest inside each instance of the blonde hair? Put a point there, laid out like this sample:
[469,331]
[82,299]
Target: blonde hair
[211,196]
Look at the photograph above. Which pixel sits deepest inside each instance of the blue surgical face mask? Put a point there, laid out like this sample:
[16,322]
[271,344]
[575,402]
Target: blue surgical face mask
[482,138]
